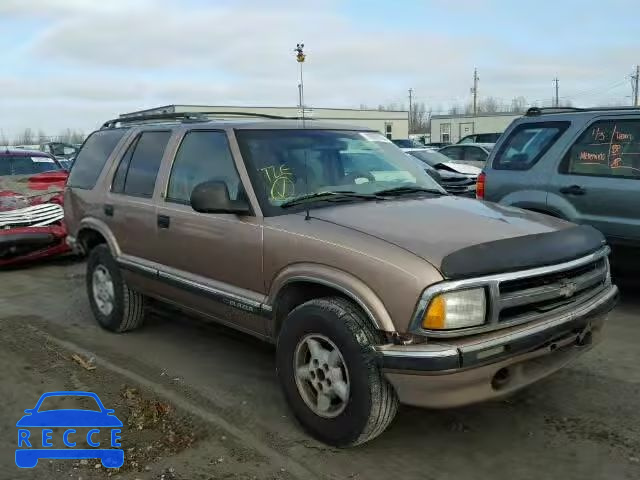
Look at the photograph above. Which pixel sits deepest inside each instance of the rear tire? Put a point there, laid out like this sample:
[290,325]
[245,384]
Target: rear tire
[115,306]
[368,404]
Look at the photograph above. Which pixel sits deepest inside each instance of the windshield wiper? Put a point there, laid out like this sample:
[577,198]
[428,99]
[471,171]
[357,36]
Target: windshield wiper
[402,190]
[329,197]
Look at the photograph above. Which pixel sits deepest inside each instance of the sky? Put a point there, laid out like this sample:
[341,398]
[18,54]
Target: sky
[76,63]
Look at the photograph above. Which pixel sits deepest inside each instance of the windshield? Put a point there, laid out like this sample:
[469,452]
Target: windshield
[430,157]
[406,143]
[21,165]
[289,164]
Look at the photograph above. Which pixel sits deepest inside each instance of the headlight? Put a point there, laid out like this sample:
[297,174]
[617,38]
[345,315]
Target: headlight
[458,309]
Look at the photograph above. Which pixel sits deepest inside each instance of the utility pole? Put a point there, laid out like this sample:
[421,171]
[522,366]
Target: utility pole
[474,91]
[556,101]
[636,78]
[410,107]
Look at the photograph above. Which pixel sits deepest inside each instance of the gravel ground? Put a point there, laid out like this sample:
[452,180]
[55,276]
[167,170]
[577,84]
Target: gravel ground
[200,401]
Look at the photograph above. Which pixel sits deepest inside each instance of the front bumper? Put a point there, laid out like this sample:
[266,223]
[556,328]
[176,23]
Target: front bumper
[20,245]
[478,368]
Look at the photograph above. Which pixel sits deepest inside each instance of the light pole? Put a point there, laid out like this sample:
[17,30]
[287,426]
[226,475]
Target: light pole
[300,56]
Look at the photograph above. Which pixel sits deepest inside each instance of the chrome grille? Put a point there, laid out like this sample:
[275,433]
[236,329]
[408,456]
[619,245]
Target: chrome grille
[539,294]
[523,296]
[33,216]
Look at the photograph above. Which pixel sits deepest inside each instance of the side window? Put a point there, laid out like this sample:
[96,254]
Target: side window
[139,167]
[527,144]
[117,186]
[202,156]
[475,154]
[606,148]
[92,157]
[455,153]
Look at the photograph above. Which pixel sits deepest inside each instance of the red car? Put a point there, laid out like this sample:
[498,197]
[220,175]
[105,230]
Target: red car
[31,214]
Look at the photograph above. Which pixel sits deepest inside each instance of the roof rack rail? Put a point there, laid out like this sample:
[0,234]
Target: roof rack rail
[186,117]
[133,119]
[535,111]
[254,114]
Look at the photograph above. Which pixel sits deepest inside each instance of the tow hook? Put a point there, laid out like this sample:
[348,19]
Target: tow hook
[584,338]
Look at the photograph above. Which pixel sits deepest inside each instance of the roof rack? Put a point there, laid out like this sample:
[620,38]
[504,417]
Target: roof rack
[136,119]
[535,111]
[186,117]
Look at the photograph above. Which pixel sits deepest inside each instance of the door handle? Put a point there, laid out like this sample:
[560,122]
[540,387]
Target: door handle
[164,221]
[573,190]
[108,210]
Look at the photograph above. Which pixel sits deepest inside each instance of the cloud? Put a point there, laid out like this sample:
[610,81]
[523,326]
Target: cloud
[101,58]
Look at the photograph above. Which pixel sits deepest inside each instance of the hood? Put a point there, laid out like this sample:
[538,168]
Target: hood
[463,168]
[433,228]
[19,191]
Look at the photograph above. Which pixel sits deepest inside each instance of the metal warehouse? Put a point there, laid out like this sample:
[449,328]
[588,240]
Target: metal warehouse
[394,124]
[451,128]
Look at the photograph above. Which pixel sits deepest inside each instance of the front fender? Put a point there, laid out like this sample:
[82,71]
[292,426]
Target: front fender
[92,223]
[340,280]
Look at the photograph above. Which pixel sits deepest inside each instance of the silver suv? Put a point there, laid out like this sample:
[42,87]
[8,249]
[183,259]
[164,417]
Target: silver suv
[581,165]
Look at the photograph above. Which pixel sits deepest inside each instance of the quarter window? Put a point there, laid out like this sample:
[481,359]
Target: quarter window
[202,156]
[606,148]
[138,169]
[92,157]
[526,145]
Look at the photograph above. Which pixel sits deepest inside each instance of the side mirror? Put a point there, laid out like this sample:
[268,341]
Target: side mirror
[213,197]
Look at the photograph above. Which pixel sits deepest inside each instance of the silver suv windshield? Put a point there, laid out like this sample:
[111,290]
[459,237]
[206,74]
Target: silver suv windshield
[286,165]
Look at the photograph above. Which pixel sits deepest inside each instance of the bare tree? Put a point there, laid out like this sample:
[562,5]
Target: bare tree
[26,137]
[518,105]
[489,105]
[77,136]
[42,138]
[455,109]
[420,118]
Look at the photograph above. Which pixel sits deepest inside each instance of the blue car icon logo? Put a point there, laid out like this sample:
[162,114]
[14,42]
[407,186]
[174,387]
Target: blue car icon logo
[32,446]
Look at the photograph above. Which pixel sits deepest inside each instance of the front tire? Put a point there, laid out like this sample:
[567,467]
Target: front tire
[115,306]
[329,374]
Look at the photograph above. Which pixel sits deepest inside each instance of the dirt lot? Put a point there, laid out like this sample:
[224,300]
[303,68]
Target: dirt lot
[201,402]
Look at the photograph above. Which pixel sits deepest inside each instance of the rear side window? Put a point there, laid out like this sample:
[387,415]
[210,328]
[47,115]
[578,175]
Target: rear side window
[202,156]
[527,144]
[606,148]
[138,169]
[455,153]
[92,157]
[475,154]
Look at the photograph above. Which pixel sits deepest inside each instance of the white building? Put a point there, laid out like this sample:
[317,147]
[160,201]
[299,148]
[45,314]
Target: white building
[394,124]
[451,128]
